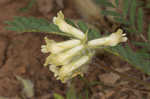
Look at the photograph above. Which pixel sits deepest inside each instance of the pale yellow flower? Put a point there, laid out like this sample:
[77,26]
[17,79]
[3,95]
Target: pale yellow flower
[74,68]
[67,28]
[54,47]
[111,40]
[64,57]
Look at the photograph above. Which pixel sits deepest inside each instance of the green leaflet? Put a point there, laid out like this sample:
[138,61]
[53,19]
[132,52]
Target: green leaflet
[125,7]
[140,20]
[32,24]
[117,3]
[144,45]
[93,34]
[105,3]
[16,25]
[70,22]
[82,26]
[133,12]
[22,24]
[144,55]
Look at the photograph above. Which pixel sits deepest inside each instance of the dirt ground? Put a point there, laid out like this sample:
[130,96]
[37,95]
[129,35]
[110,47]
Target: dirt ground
[20,55]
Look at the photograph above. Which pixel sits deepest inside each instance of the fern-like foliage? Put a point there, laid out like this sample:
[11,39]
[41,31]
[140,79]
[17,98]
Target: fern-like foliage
[132,21]
[32,24]
[138,60]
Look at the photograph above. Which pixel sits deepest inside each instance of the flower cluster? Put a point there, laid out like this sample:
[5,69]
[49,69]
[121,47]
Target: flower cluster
[70,58]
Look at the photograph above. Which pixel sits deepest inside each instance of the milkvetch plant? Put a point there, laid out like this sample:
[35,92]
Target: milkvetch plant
[70,58]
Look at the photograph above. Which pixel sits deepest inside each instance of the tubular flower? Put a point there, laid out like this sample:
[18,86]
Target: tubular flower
[70,58]
[53,47]
[111,40]
[74,68]
[64,57]
[67,28]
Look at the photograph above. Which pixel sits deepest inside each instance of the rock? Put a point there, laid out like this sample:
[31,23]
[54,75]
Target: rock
[109,78]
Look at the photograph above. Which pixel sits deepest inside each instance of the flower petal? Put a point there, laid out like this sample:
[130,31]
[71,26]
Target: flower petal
[55,69]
